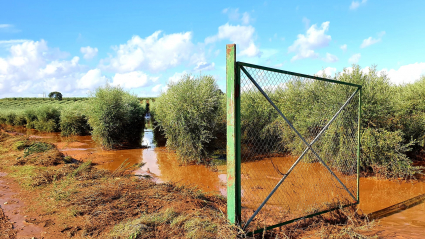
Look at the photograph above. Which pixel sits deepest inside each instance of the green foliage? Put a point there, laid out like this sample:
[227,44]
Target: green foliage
[116,117]
[20,145]
[410,111]
[37,147]
[55,95]
[309,104]
[10,118]
[30,117]
[48,118]
[385,154]
[73,120]
[20,119]
[188,114]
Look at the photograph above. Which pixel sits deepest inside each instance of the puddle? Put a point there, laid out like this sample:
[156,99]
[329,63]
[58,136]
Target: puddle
[162,165]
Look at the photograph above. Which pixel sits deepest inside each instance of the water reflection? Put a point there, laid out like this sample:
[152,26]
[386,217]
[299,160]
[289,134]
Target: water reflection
[163,166]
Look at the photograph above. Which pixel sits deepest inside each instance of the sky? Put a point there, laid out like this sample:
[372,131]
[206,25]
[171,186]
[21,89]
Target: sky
[76,46]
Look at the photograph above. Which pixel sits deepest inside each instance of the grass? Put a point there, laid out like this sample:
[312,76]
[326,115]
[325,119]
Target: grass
[83,201]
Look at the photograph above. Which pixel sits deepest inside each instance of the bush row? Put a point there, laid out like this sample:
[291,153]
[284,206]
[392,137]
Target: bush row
[113,117]
[191,115]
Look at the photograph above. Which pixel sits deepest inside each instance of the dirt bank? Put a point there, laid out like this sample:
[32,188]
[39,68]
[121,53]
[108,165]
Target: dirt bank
[78,200]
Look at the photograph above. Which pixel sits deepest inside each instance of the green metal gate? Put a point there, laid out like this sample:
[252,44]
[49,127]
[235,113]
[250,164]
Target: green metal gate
[292,145]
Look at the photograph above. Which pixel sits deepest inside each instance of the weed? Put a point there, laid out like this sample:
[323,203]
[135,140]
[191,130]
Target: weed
[37,147]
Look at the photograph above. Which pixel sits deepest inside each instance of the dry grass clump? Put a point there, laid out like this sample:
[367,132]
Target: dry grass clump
[88,202]
[41,153]
[143,209]
[339,224]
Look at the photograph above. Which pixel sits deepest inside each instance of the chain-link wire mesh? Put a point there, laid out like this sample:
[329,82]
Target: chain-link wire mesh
[270,147]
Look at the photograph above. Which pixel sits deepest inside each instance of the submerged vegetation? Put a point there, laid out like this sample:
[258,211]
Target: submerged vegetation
[79,200]
[76,199]
[116,117]
[191,115]
[188,114]
[113,116]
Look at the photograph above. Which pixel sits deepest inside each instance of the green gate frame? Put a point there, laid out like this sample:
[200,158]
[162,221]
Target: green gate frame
[233,91]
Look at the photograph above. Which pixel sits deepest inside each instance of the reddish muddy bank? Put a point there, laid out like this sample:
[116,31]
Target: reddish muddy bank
[21,224]
[162,165]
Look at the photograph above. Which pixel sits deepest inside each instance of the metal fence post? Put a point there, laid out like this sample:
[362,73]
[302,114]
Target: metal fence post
[233,136]
[358,143]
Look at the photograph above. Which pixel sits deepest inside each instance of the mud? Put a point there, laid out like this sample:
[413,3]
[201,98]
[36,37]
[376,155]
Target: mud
[13,208]
[162,165]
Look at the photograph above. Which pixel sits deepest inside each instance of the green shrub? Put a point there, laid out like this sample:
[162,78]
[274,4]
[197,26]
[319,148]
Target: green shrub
[158,133]
[309,104]
[48,118]
[384,153]
[189,114]
[2,118]
[10,117]
[116,117]
[410,111]
[30,117]
[73,120]
[20,119]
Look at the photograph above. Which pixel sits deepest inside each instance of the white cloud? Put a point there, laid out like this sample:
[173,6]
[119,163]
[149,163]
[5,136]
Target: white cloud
[369,41]
[155,53]
[160,88]
[234,15]
[177,77]
[355,4]
[407,73]
[9,43]
[343,47]
[245,18]
[306,22]
[32,68]
[91,80]
[157,88]
[279,65]
[354,58]
[305,45]
[243,36]
[329,71]
[204,66]
[132,79]
[5,25]
[9,28]
[330,58]
[89,52]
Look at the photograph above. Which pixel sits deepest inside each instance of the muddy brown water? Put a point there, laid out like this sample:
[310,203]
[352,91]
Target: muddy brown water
[162,165]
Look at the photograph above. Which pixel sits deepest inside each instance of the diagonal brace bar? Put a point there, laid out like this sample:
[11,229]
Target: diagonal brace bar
[305,151]
[298,160]
[296,131]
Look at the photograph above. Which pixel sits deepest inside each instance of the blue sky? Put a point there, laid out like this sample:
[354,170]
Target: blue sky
[75,46]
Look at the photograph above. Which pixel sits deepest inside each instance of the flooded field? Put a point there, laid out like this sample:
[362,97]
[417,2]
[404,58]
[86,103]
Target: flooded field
[162,165]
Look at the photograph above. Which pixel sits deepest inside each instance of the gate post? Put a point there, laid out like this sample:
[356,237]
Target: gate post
[233,154]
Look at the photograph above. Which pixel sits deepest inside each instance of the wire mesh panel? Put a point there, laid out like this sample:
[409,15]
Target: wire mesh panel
[299,145]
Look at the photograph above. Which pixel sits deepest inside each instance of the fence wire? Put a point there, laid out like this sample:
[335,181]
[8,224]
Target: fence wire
[270,147]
